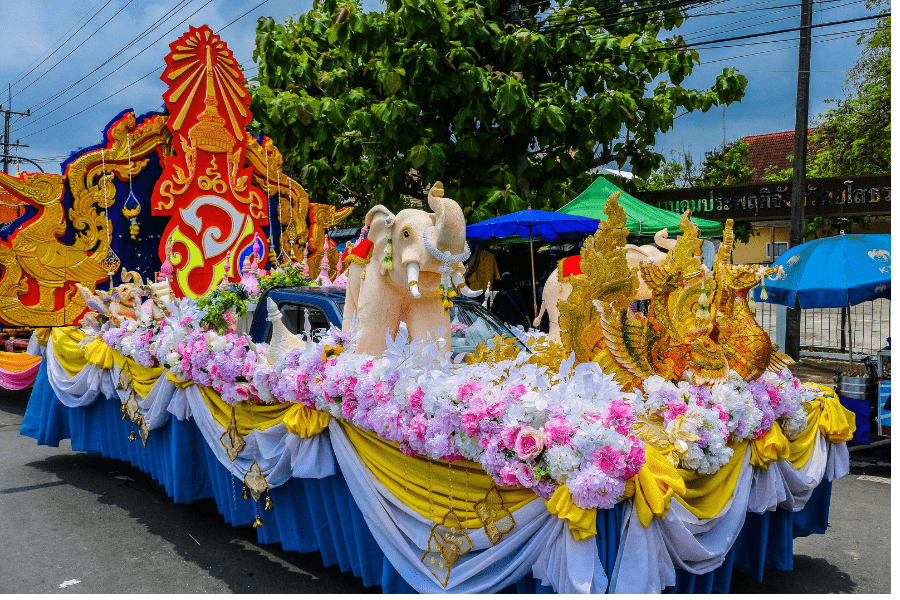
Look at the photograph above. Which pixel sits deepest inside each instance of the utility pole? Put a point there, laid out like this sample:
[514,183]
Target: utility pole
[6,143]
[798,185]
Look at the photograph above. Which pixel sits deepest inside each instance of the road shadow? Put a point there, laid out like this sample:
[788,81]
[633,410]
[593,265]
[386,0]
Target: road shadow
[810,576]
[14,402]
[198,533]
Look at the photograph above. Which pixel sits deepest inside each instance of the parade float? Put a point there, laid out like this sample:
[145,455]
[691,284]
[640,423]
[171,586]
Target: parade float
[637,453]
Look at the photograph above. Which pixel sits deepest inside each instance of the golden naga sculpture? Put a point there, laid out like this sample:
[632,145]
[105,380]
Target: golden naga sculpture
[37,285]
[698,326]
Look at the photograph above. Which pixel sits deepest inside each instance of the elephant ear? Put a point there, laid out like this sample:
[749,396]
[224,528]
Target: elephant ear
[380,220]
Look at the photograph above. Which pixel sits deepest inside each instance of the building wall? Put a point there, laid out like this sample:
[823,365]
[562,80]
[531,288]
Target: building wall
[754,251]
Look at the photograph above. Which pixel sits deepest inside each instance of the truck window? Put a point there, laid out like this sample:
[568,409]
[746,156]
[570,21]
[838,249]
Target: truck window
[294,319]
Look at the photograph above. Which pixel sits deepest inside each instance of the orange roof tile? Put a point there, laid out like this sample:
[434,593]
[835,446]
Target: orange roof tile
[770,150]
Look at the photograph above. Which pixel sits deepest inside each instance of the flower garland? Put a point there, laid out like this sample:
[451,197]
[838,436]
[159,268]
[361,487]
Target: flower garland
[525,424]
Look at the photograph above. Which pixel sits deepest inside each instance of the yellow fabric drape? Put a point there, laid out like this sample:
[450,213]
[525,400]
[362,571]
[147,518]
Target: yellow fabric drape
[769,448]
[836,423]
[65,345]
[98,353]
[706,495]
[179,383]
[42,334]
[143,378]
[305,422]
[247,416]
[654,486]
[582,522]
[425,485]
[15,362]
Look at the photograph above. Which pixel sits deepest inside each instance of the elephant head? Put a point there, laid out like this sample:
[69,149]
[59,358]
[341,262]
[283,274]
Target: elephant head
[413,253]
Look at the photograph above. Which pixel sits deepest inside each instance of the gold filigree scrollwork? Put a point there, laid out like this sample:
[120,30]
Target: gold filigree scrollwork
[212,180]
[180,181]
[232,441]
[494,515]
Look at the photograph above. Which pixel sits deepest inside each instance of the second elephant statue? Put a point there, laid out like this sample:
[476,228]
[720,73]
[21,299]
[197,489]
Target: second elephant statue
[556,289]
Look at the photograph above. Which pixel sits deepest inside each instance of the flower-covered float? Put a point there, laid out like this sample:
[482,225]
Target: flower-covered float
[630,457]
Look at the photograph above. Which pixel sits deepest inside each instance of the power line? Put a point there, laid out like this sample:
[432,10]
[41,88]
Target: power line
[53,46]
[241,17]
[45,115]
[137,80]
[57,63]
[64,43]
[169,14]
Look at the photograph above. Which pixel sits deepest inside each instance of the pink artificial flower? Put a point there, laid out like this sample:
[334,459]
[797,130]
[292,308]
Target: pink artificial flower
[415,399]
[525,475]
[558,431]
[517,391]
[508,436]
[242,392]
[348,408]
[610,461]
[592,417]
[619,416]
[507,477]
[529,443]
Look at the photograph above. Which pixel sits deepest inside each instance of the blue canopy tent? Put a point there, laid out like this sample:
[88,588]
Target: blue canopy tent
[832,272]
[529,223]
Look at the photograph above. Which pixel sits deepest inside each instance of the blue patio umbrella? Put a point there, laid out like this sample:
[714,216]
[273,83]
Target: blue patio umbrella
[833,272]
[550,226]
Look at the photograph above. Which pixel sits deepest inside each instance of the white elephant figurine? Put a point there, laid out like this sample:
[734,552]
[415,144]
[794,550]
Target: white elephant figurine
[556,290]
[395,274]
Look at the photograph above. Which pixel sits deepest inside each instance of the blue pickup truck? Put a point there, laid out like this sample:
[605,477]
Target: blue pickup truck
[471,324]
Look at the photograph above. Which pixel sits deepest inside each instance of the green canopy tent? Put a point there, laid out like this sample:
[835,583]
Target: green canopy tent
[643,219]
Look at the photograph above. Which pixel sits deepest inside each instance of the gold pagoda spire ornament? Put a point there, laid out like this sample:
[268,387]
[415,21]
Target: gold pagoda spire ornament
[209,133]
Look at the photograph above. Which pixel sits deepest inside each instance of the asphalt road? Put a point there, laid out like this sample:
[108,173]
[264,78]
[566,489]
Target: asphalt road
[69,517]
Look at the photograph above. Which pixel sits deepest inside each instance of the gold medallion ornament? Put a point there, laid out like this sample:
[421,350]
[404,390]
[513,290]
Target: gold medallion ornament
[447,542]
[494,515]
[232,440]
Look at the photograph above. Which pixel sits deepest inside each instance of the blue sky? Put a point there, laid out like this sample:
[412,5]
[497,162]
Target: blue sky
[33,28]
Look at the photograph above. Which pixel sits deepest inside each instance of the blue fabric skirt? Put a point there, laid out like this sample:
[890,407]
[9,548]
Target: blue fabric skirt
[320,515]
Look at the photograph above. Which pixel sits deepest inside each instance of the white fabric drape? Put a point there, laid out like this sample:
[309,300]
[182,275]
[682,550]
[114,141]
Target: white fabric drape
[647,558]
[279,453]
[539,543]
[34,348]
[84,387]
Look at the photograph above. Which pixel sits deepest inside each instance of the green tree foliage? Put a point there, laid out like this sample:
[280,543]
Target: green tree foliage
[728,166]
[854,137]
[677,172]
[506,111]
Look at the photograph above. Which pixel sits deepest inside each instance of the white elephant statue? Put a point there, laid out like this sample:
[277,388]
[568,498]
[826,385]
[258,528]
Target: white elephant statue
[396,274]
[556,290]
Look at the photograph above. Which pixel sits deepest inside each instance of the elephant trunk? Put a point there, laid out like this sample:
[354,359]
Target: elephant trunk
[450,223]
[662,239]
[412,279]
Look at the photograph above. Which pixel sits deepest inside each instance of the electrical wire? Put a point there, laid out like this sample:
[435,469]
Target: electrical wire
[45,115]
[135,81]
[53,47]
[64,43]
[169,14]
[83,42]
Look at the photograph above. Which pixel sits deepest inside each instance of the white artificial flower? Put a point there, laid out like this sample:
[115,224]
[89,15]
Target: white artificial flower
[561,461]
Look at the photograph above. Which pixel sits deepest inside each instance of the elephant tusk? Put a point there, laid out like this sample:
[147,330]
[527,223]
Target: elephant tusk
[460,283]
[412,278]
